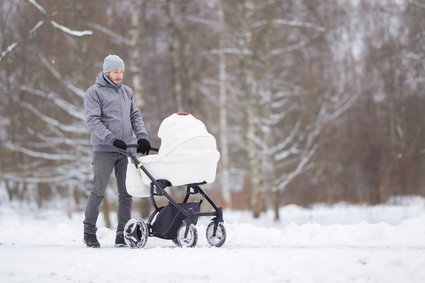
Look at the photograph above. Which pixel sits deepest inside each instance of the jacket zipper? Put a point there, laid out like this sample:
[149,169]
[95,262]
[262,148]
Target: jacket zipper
[122,112]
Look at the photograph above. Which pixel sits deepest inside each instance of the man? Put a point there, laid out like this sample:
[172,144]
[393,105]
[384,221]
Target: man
[111,117]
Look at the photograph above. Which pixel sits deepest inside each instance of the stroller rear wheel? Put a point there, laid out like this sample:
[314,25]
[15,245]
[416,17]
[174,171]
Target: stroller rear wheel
[136,233]
[217,239]
[189,239]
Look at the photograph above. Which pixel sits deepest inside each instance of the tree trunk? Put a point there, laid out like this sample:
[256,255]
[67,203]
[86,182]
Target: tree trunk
[224,167]
[250,114]
[276,205]
[193,105]
[254,163]
[135,56]
[136,63]
[173,45]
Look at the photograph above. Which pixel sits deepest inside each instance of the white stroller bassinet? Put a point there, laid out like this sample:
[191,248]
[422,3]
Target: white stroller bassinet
[188,154]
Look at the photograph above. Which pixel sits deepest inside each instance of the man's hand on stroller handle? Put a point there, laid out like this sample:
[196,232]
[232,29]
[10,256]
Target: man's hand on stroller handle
[144,146]
[133,145]
[119,144]
[122,146]
[130,154]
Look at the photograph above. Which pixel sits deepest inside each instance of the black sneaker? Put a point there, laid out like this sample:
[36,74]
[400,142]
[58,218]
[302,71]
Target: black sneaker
[119,241]
[91,240]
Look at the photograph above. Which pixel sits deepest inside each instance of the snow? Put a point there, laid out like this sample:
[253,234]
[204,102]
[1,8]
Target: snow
[57,25]
[341,243]
[8,50]
[38,6]
[67,30]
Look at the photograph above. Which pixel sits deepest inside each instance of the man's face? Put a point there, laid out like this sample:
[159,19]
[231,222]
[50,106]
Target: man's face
[116,76]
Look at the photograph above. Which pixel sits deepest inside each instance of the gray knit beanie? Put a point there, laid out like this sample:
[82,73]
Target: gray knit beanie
[113,62]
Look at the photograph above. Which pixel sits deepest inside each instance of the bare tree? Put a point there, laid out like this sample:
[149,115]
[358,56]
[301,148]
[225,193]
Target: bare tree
[310,101]
[224,144]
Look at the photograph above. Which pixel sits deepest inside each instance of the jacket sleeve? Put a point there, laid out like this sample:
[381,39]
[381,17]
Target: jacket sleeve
[137,120]
[92,107]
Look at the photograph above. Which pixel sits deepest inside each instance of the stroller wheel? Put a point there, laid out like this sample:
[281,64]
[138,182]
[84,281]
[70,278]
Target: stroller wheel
[191,238]
[136,233]
[219,238]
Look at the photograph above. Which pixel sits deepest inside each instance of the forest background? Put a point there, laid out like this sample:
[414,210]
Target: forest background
[310,101]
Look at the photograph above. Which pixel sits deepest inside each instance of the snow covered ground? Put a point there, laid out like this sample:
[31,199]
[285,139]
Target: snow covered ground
[341,243]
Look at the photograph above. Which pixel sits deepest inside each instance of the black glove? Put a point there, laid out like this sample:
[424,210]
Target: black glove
[119,144]
[144,146]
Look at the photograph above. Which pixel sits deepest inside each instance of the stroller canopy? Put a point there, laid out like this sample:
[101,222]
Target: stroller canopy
[183,134]
[188,153]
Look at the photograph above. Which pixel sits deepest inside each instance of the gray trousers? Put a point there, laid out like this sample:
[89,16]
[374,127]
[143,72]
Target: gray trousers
[103,163]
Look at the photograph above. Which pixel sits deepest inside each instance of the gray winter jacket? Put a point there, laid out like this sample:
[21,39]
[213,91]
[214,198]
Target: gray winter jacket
[111,113]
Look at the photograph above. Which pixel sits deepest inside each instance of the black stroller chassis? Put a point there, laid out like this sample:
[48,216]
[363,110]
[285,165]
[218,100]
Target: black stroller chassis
[175,221]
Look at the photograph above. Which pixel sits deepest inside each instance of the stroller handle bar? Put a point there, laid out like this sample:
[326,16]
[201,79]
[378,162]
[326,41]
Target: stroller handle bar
[136,161]
[133,145]
[133,157]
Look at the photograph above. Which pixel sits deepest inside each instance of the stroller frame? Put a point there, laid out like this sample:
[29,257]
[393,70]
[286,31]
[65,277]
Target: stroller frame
[157,188]
[190,214]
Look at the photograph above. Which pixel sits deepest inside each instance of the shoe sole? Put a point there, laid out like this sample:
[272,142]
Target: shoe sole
[94,246]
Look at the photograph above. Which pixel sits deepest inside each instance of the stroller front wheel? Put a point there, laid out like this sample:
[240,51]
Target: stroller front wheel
[136,233]
[217,239]
[186,239]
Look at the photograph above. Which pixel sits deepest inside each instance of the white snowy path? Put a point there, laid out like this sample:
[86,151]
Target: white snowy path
[324,244]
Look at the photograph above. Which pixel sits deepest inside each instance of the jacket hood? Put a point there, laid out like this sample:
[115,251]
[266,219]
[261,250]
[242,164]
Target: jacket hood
[100,80]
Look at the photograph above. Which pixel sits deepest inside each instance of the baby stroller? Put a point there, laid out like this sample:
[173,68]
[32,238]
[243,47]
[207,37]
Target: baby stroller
[188,156]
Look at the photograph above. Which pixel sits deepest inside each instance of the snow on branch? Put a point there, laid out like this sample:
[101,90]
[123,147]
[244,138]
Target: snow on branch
[299,24]
[12,46]
[273,118]
[287,141]
[69,108]
[60,78]
[305,159]
[257,141]
[292,47]
[202,21]
[58,179]
[344,106]
[37,154]
[65,29]
[119,39]
[235,51]
[76,33]
[75,168]
[37,25]
[323,118]
[60,140]
[8,50]
[38,6]
[59,26]
[281,103]
[53,122]
[290,23]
